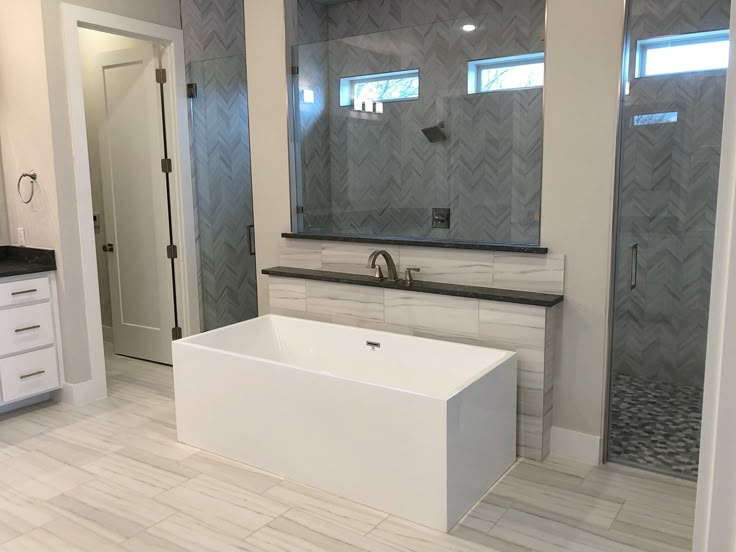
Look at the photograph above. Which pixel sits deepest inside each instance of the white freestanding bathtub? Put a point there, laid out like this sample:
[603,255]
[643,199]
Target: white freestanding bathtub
[413,427]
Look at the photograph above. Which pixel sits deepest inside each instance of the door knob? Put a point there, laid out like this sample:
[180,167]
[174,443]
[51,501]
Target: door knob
[108,247]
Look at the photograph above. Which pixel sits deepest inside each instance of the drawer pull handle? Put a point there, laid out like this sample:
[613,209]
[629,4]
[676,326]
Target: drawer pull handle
[26,292]
[28,328]
[33,374]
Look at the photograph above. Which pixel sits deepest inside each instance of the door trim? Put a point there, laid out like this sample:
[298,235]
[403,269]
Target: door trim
[611,310]
[172,42]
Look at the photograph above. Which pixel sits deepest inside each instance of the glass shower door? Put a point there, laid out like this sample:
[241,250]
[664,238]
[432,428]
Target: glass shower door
[222,173]
[668,178]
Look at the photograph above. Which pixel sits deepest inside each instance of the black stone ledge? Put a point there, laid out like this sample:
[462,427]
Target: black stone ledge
[17,261]
[454,290]
[421,242]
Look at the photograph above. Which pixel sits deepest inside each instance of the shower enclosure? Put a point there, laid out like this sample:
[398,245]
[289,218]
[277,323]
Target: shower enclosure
[669,153]
[218,89]
[418,119]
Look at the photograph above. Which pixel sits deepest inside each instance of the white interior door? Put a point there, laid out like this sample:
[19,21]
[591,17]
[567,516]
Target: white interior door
[135,204]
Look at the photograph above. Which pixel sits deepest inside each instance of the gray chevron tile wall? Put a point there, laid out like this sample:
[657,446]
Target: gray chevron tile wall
[215,52]
[371,174]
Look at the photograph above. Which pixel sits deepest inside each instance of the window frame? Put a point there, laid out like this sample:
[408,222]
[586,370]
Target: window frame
[644,46]
[348,85]
[657,118]
[476,68]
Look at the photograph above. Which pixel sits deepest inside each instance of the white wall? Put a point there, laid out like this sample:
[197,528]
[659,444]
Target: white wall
[584,51]
[32,53]
[163,12]
[25,125]
[715,530]
[4,228]
[265,36]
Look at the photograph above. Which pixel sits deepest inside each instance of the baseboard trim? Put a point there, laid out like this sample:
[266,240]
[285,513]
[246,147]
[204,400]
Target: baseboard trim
[81,394]
[25,402]
[577,446]
[107,336]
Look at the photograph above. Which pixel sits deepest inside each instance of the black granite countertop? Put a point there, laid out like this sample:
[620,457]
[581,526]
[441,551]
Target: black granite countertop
[420,242]
[17,261]
[473,292]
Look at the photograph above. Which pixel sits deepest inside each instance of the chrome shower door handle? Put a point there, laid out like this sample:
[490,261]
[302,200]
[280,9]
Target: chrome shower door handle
[634,264]
[251,238]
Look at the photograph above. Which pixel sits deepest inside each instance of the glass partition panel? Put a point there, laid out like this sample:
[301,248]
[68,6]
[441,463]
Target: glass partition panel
[403,110]
[670,151]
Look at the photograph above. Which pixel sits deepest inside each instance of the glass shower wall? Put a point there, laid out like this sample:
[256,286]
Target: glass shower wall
[671,133]
[378,171]
[222,172]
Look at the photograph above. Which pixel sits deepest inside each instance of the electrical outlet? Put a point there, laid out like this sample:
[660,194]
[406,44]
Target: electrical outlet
[21,236]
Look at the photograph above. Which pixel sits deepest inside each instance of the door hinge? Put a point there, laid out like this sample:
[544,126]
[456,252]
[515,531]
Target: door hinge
[172,252]
[299,209]
[294,69]
[176,333]
[166,166]
[192,90]
[161,76]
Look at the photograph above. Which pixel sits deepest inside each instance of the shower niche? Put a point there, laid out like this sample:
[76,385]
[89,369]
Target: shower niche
[402,109]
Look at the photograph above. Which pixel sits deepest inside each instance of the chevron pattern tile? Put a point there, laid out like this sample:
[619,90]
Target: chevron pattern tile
[311,20]
[373,16]
[667,204]
[380,173]
[215,52]
[212,29]
[225,205]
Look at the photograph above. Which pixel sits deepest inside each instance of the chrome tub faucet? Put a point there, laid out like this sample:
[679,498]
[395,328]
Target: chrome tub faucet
[390,265]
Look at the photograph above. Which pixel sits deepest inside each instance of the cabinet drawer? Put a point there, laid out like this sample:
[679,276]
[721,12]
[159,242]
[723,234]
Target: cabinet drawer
[29,374]
[25,328]
[24,291]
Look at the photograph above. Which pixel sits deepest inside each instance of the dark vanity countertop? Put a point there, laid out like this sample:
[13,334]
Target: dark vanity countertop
[420,242]
[17,261]
[472,292]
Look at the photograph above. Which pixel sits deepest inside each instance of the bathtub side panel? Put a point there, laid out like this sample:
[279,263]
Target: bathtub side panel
[481,438]
[379,447]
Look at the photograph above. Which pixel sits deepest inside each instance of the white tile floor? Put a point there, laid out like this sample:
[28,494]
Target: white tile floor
[111,476]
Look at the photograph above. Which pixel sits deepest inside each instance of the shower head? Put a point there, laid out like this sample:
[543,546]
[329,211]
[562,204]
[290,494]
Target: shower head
[436,133]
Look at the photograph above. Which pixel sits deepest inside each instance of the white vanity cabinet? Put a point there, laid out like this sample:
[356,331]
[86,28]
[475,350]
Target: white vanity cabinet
[30,344]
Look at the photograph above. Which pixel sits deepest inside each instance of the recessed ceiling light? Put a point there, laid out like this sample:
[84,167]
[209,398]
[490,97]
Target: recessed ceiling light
[469,28]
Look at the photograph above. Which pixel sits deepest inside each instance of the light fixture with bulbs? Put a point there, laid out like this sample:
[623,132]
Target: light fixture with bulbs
[368,106]
[469,27]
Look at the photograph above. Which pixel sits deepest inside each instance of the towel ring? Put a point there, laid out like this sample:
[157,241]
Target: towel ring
[33,176]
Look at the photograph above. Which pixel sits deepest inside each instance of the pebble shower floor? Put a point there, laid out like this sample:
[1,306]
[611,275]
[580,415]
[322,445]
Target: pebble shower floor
[655,425]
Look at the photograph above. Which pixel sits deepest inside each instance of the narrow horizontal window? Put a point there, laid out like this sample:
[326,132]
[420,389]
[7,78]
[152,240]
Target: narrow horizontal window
[687,53]
[655,118]
[381,87]
[509,73]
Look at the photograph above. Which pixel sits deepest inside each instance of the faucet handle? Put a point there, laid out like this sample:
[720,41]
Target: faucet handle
[408,273]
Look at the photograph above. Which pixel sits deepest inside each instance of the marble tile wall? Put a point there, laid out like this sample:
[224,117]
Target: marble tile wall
[532,332]
[515,271]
